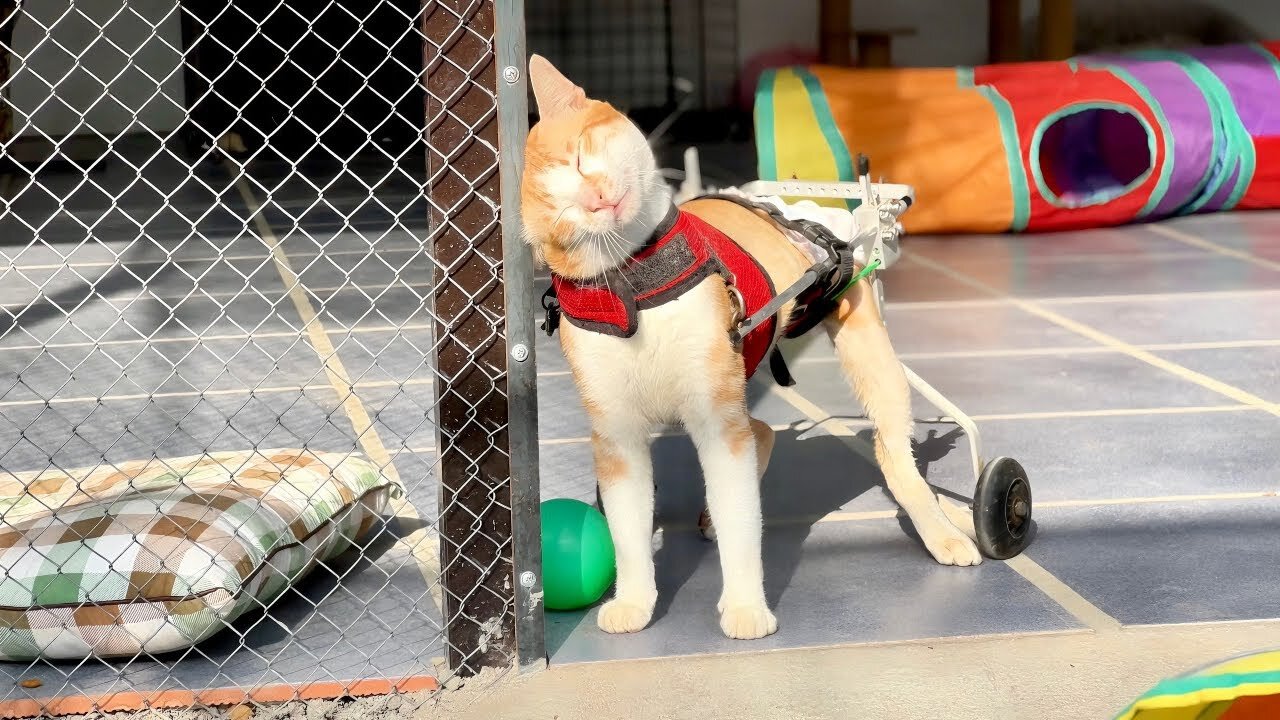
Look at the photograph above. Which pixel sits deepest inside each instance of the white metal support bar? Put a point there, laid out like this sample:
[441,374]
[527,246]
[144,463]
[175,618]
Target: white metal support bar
[953,413]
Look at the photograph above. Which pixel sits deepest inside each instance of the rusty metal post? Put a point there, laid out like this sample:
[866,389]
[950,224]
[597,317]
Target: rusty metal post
[483,378]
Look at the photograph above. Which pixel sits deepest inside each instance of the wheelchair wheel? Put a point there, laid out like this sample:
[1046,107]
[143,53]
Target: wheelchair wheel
[1002,509]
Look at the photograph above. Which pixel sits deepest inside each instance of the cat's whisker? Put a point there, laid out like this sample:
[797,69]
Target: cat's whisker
[619,244]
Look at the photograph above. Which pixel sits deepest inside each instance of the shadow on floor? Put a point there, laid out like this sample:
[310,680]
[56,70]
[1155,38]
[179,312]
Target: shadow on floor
[811,474]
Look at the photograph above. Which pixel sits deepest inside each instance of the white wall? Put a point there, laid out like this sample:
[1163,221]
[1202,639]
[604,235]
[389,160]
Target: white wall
[75,63]
[948,32]
[115,95]
[770,24]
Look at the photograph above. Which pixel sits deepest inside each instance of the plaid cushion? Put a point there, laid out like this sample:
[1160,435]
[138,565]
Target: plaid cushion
[158,555]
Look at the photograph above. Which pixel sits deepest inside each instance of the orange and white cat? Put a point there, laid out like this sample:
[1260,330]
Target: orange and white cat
[591,197]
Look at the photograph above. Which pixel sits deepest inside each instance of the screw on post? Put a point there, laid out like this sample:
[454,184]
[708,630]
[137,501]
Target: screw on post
[510,74]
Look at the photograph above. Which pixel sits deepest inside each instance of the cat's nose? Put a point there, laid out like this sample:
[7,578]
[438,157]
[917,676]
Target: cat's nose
[594,201]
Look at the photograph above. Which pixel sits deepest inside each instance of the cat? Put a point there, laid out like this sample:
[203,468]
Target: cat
[591,199]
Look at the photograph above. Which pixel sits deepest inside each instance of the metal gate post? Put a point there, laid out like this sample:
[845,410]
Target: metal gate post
[484,351]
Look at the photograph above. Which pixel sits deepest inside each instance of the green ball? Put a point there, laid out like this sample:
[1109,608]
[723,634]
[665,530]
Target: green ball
[577,554]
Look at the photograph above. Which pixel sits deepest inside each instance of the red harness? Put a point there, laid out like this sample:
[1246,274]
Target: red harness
[685,251]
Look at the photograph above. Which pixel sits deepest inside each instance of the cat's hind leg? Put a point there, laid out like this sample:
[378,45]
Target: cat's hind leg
[872,368]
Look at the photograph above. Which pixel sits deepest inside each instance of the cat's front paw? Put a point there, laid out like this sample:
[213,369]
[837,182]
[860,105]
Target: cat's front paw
[748,622]
[621,616]
[949,545]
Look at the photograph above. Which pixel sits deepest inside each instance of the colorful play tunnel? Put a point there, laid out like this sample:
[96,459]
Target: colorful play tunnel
[1093,141]
[1243,688]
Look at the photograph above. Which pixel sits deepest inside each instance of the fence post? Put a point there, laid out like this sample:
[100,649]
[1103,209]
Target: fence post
[486,395]
[522,376]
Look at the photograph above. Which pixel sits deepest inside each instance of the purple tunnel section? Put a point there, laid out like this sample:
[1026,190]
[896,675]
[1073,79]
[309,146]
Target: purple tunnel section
[1252,80]
[1189,123]
[1219,199]
[1250,77]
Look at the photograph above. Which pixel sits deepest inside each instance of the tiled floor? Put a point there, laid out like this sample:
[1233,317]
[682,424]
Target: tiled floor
[1133,372]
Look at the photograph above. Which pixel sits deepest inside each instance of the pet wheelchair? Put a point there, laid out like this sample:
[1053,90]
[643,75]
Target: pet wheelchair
[1002,496]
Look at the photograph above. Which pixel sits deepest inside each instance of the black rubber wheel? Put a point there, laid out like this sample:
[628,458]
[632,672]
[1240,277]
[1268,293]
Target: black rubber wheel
[1002,509]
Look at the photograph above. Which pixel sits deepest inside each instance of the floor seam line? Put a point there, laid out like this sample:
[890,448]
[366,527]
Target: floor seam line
[1199,242]
[1031,307]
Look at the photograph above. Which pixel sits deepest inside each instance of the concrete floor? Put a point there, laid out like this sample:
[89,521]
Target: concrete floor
[1132,371]
[1072,676]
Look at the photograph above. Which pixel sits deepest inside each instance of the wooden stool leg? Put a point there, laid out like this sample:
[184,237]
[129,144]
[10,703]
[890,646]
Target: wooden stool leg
[875,51]
[1057,29]
[835,31]
[1004,31]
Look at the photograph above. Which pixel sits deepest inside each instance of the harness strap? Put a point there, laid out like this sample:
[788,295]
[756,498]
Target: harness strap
[818,291]
[815,294]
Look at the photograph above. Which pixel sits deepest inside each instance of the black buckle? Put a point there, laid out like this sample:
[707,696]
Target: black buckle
[551,311]
[778,366]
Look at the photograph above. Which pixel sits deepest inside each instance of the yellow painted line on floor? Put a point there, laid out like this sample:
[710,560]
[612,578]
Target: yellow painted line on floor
[1034,308]
[270,389]
[421,544]
[1060,592]
[1213,247]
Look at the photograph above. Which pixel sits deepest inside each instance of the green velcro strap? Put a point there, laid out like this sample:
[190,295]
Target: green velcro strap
[870,268]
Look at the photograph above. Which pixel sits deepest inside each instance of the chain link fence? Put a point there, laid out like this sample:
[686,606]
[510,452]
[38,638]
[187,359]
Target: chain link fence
[267,392]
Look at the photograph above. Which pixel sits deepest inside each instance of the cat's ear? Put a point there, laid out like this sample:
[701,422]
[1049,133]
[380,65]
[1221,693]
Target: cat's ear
[553,92]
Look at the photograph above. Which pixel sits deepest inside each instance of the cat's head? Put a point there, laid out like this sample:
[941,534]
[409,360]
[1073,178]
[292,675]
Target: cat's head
[591,193]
